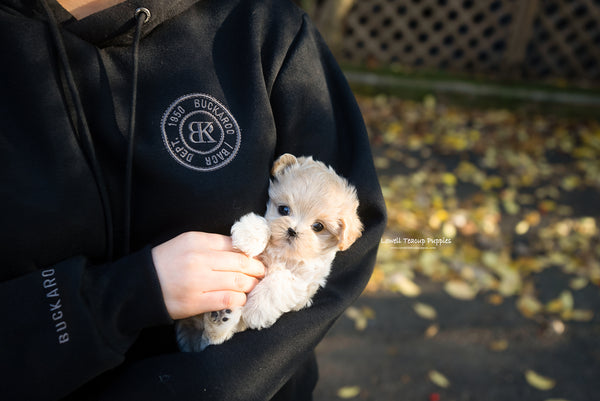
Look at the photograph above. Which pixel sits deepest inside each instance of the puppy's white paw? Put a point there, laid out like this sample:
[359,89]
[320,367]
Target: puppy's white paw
[220,326]
[251,234]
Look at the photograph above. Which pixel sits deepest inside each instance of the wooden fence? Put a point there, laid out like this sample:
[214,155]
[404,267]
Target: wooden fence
[511,38]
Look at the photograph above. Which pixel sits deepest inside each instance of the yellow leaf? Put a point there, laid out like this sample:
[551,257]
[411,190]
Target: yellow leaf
[511,207]
[490,259]
[353,312]
[361,323]
[533,218]
[425,311]
[582,315]
[439,379]
[499,345]
[557,326]
[368,312]
[564,303]
[432,331]
[376,279]
[492,182]
[405,286]
[538,381]
[522,227]
[348,392]
[449,230]
[360,316]
[449,179]
[567,300]
[547,206]
[381,163]
[554,306]
[460,290]
[495,299]
[587,226]
[510,282]
[571,182]
[529,306]
[442,215]
[429,102]
[435,222]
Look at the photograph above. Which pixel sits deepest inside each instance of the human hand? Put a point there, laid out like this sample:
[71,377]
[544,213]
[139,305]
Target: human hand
[201,272]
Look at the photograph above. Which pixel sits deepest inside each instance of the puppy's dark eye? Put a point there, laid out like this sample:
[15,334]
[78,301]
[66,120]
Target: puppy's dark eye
[317,227]
[284,210]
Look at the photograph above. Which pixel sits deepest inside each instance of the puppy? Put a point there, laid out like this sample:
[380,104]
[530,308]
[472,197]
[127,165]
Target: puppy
[311,214]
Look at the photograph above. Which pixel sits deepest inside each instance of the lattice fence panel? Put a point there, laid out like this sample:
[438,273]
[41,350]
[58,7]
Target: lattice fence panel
[538,38]
[565,40]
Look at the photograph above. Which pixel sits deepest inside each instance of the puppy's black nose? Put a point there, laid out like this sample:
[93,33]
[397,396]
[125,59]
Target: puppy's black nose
[292,233]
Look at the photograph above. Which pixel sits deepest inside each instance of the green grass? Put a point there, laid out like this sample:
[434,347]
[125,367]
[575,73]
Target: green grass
[557,98]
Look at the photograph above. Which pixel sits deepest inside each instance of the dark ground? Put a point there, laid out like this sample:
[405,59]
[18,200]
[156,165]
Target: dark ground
[391,358]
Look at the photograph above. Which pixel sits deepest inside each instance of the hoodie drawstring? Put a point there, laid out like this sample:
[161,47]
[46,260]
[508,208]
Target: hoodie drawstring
[82,128]
[142,15]
[83,133]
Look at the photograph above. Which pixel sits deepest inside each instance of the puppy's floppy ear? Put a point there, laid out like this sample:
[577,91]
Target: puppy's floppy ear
[282,162]
[350,230]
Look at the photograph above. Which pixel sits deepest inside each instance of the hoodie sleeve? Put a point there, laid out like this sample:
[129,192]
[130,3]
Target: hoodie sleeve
[315,114]
[60,327]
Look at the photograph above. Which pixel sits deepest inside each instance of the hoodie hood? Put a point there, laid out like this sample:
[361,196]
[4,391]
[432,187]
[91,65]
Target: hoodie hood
[114,26]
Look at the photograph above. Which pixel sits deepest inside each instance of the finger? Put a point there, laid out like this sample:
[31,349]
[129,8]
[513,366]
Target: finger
[209,241]
[238,262]
[218,300]
[232,281]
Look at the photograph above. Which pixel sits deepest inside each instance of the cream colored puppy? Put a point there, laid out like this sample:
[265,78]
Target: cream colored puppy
[311,214]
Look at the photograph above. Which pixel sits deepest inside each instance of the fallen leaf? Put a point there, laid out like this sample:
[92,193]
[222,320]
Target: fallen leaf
[405,286]
[582,315]
[570,182]
[359,316]
[499,345]
[348,392]
[381,163]
[522,227]
[432,331]
[557,326]
[495,299]
[425,311]
[578,283]
[587,226]
[438,379]
[538,381]
[460,290]
[449,179]
[529,306]
[510,281]
[562,304]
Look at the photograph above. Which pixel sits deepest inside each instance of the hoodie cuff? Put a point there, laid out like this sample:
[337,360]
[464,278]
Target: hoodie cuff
[145,308]
[127,298]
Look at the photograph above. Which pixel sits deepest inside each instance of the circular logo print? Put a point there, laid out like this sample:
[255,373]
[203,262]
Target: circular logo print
[200,133]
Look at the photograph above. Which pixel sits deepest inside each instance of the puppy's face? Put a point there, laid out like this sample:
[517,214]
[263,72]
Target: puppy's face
[311,210]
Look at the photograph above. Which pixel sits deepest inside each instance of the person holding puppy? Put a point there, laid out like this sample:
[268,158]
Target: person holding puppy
[134,134]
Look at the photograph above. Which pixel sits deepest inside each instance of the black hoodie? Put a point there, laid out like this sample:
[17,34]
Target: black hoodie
[223,88]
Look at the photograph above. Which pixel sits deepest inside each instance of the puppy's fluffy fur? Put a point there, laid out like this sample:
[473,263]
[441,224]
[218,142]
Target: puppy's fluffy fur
[311,214]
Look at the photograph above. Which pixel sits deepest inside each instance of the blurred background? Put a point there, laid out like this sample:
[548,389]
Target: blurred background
[484,120]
